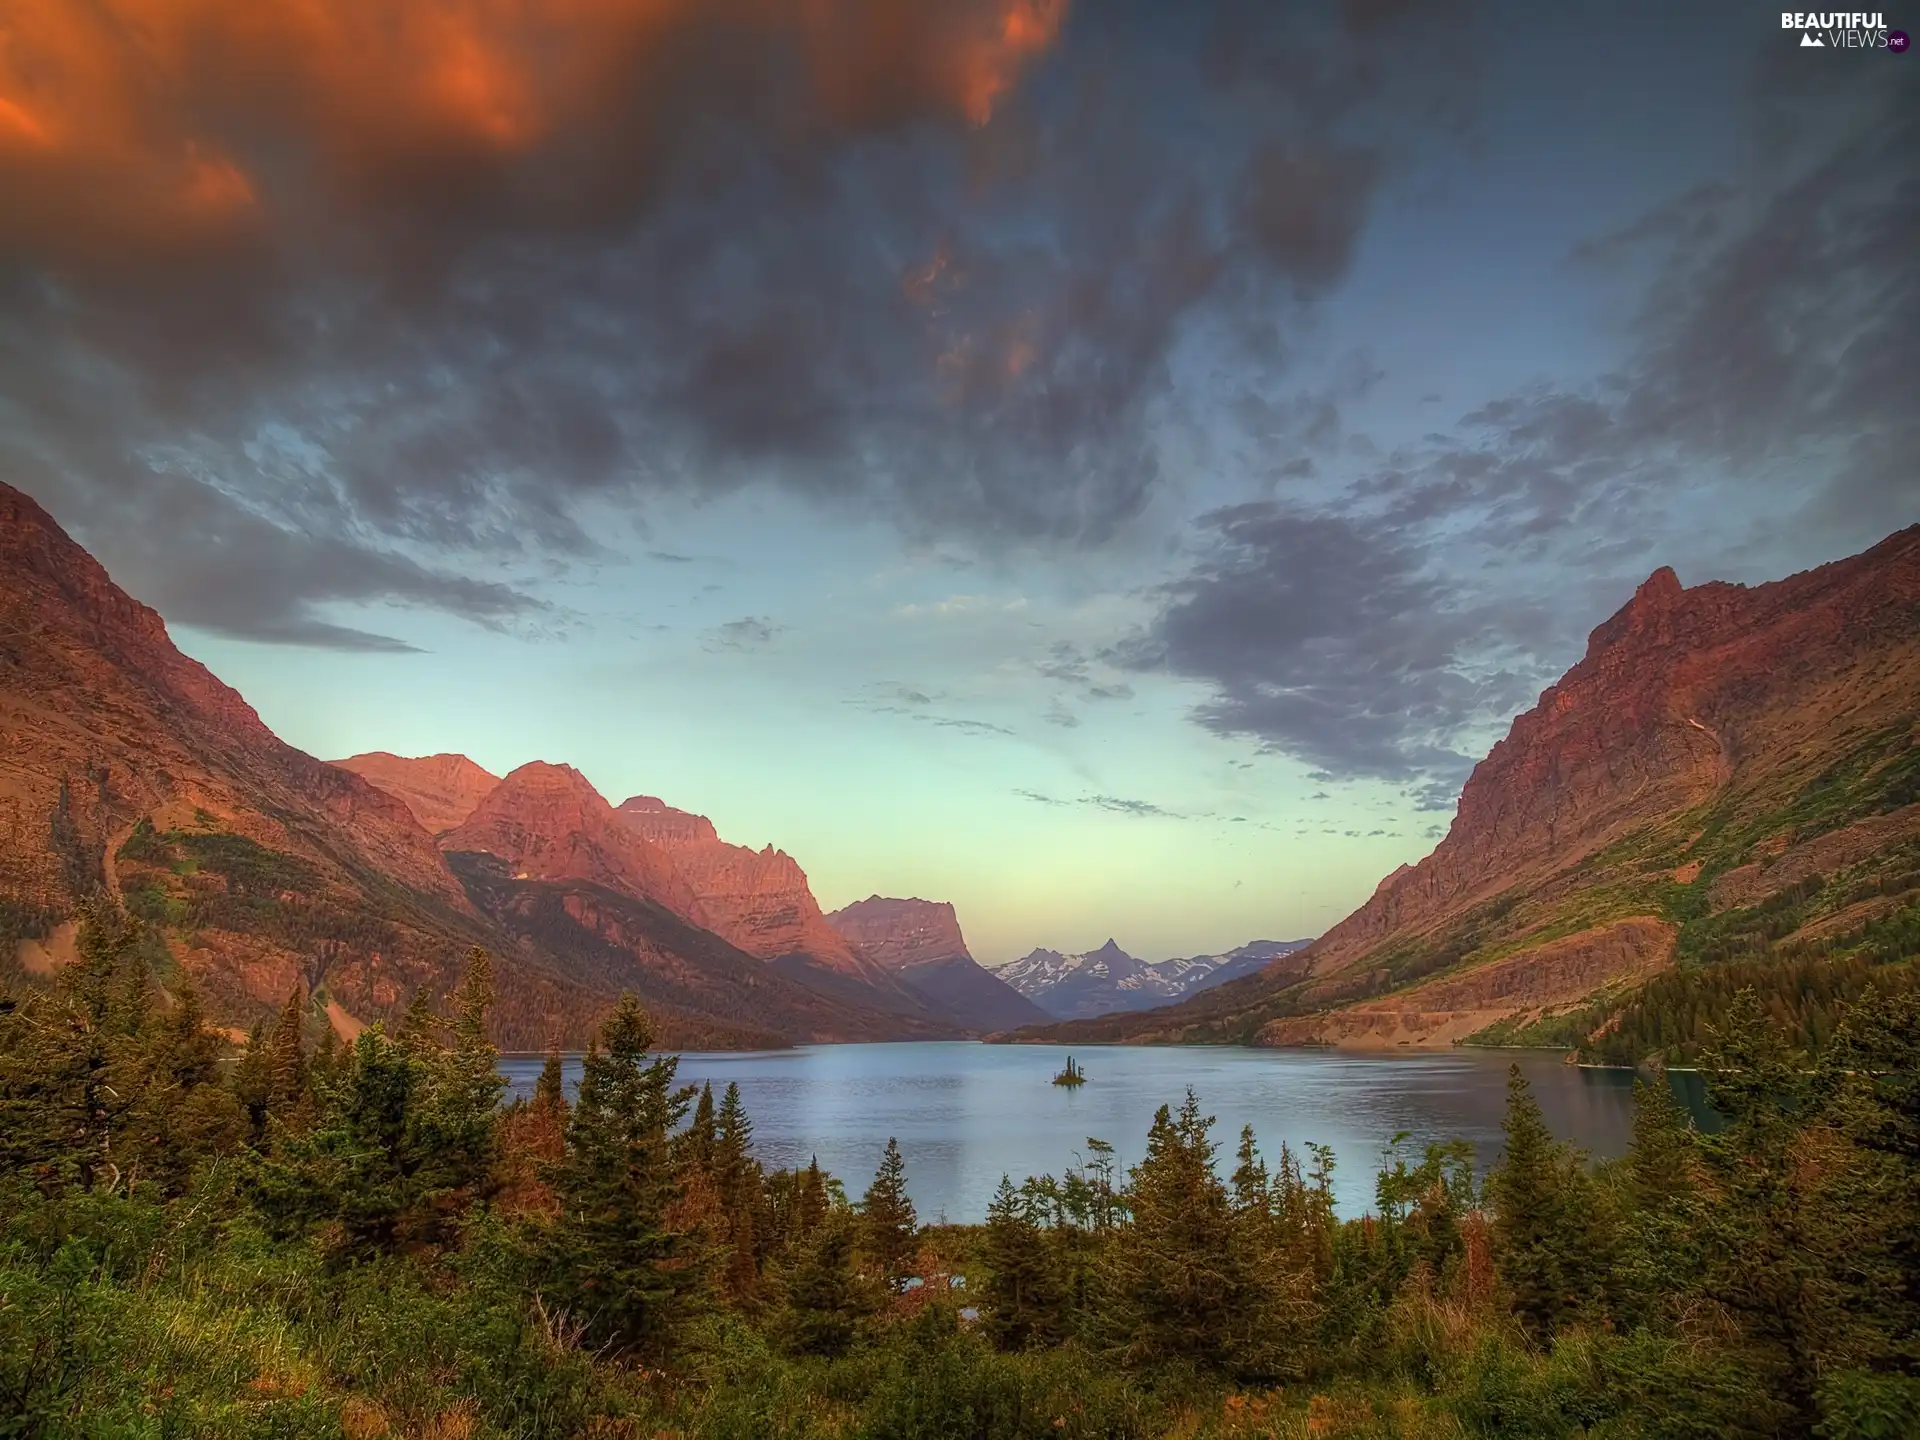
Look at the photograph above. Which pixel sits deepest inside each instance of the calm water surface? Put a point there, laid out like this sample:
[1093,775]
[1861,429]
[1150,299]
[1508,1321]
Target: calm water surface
[964,1112]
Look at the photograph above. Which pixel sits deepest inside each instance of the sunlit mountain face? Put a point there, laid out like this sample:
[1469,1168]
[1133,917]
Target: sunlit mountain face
[1113,467]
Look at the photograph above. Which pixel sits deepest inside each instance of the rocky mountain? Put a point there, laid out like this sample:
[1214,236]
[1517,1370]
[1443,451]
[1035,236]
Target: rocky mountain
[1101,981]
[759,900]
[125,764]
[1730,772]
[920,941]
[547,822]
[128,767]
[440,790]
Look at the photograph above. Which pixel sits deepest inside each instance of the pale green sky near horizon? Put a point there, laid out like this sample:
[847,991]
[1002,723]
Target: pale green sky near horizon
[1146,828]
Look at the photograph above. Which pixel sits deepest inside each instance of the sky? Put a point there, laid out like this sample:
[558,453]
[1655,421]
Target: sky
[1112,465]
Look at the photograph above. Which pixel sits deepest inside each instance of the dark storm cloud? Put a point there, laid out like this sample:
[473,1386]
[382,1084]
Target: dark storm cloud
[1326,643]
[1775,350]
[395,287]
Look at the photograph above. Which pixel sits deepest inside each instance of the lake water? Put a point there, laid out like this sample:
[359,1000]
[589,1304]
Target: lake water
[964,1112]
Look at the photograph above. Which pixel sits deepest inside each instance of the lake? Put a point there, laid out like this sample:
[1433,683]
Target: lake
[964,1112]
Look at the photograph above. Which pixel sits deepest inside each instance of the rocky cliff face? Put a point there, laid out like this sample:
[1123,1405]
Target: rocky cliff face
[757,899]
[547,822]
[114,746]
[1738,739]
[1682,694]
[440,790]
[899,933]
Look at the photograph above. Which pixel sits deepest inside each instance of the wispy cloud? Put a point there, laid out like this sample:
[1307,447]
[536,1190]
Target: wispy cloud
[749,632]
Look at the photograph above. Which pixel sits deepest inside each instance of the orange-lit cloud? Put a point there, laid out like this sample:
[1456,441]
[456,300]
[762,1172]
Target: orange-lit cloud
[129,122]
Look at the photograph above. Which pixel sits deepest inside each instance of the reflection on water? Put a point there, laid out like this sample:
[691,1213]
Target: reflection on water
[965,1112]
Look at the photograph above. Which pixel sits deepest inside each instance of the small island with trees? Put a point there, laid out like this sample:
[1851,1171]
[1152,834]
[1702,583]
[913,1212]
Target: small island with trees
[1072,1075]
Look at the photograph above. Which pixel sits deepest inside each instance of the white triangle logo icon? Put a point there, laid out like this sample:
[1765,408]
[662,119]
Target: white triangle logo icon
[1808,42]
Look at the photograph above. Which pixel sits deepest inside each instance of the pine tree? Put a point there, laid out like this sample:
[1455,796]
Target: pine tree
[698,1139]
[1176,1286]
[99,1088]
[1660,1252]
[1773,1236]
[1873,1075]
[184,1116]
[810,1208]
[1250,1183]
[1020,1301]
[889,1228]
[620,1265]
[737,1180]
[419,1030]
[403,1143]
[550,1090]
[1549,1240]
[287,1060]
[464,1086]
[826,1301]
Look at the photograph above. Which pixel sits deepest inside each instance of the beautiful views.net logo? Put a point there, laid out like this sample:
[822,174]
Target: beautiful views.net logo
[1843,30]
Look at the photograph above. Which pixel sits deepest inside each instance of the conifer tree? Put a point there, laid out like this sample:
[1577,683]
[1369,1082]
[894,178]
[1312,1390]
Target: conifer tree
[737,1180]
[251,1082]
[1660,1252]
[888,1225]
[811,1202]
[826,1302]
[1873,1072]
[1177,1287]
[620,1265]
[403,1142]
[70,1076]
[550,1090]
[1773,1232]
[1549,1244]
[1020,1301]
[419,1030]
[1250,1183]
[1527,1212]
[699,1137]
[184,1115]
[287,1059]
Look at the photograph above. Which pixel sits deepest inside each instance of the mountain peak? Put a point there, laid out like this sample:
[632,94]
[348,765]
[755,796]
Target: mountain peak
[902,932]
[661,823]
[757,899]
[549,823]
[441,790]
[1659,588]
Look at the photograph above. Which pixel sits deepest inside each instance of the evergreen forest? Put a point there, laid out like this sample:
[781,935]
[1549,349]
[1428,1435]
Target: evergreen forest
[320,1240]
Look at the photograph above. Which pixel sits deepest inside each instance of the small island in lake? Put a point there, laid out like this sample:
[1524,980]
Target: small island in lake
[1071,1075]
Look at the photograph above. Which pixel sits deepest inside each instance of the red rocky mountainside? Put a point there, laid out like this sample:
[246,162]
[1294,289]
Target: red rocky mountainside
[1734,738]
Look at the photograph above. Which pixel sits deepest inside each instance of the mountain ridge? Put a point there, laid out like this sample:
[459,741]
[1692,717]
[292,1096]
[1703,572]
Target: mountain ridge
[1714,747]
[259,871]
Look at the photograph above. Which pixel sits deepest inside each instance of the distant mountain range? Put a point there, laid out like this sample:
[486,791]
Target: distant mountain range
[1078,987]
[1724,792]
